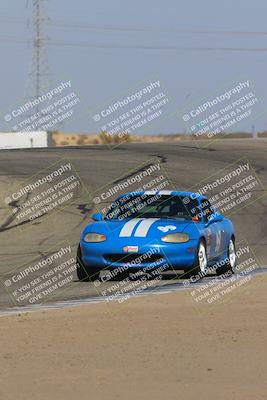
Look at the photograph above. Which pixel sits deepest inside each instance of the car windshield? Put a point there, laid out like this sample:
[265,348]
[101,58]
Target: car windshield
[152,206]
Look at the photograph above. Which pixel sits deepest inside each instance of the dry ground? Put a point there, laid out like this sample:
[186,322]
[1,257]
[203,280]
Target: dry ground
[157,347]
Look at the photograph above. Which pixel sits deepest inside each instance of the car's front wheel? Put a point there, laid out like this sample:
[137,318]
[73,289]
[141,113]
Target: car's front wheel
[83,273]
[230,262]
[200,267]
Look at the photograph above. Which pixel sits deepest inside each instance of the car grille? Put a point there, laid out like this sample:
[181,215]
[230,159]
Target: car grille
[133,258]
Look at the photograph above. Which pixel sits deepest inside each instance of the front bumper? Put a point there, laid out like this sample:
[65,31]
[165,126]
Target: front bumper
[110,255]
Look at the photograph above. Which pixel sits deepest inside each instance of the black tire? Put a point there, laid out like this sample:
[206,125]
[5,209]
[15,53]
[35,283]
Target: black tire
[198,270]
[84,274]
[187,274]
[121,276]
[230,266]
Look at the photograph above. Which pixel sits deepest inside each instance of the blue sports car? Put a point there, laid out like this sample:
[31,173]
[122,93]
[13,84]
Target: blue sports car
[146,230]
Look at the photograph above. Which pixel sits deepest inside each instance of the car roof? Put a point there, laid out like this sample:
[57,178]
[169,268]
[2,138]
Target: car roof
[165,192]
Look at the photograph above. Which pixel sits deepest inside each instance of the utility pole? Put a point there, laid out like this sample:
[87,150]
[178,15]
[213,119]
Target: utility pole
[254,133]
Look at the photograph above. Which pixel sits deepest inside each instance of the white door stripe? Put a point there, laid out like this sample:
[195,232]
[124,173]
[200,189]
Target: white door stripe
[128,228]
[143,227]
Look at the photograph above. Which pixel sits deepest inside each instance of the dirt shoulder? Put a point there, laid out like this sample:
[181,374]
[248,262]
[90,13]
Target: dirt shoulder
[5,213]
[155,347]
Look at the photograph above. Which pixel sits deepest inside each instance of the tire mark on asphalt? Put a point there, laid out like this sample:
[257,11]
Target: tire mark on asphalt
[162,159]
[16,204]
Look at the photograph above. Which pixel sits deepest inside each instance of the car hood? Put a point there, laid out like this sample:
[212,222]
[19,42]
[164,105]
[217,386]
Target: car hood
[141,228]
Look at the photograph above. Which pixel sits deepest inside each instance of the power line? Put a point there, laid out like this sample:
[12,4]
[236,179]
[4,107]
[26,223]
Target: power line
[11,20]
[152,47]
[157,29]
[141,28]
[13,39]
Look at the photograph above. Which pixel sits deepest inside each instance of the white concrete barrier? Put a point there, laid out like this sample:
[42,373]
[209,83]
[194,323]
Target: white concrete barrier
[17,140]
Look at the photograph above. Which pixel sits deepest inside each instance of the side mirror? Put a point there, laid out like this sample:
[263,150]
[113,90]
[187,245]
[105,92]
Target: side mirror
[215,218]
[97,217]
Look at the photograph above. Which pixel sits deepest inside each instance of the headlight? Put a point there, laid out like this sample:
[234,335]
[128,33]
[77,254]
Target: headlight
[175,238]
[94,237]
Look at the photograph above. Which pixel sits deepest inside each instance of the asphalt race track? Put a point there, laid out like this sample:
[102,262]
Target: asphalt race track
[187,164]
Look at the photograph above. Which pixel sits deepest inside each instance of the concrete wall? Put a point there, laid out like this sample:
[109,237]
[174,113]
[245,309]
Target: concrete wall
[16,140]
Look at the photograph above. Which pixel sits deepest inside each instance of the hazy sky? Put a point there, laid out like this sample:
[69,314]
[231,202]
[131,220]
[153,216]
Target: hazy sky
[101,74]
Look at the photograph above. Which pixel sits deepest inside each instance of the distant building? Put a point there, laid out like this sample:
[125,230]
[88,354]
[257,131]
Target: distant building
[23,140]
